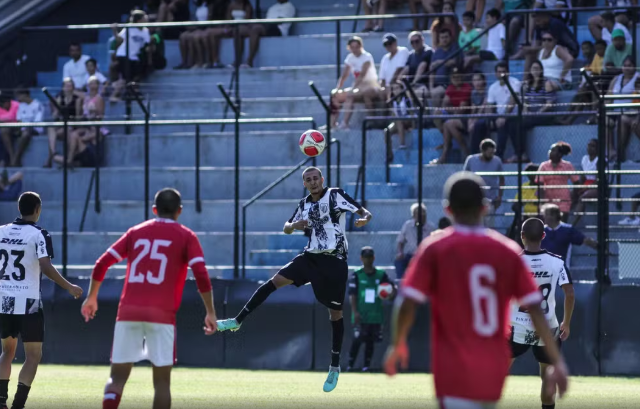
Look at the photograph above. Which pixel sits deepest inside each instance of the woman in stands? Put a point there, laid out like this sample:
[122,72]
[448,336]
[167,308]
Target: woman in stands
[449,23]
[625,83]
[560,196]
[71,105]
[237,10]
[556,61]
[194,42]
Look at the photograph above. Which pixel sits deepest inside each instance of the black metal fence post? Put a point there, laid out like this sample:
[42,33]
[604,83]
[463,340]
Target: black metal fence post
[127,79]
[147,117]
[519,148]
[419,223]
[99,158]
[327,110]
[198,200]
[363,162]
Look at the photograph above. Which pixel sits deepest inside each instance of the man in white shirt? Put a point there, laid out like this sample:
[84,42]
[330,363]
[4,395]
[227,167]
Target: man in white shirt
[75,68]
[282,9]
[138,39]
[392,63]
[407,241]
[603,25]
[29,110]
[92,71]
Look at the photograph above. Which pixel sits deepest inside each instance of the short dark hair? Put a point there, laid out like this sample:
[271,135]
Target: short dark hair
[75,44]
[464,193]
[533,229]
[445,31]
[609,16]
[563,147]
[309,169]
[502,64]
[91,60]
[601,42]
[4,98]
[167,201]
[443,223]
[486,144]
[28,203]
[495,13]
[588,42]
[469,14]
[21,90]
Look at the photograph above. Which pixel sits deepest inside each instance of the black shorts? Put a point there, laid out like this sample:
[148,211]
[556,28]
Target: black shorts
[30,327]
[368,332]
[134,66]
[538,352]
[327,274]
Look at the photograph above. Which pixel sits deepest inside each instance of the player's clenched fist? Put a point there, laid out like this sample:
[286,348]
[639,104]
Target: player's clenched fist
[210,324]
[75,291]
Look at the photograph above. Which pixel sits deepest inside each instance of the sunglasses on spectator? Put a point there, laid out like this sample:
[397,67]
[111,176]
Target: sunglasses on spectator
[416,41]
[547,39]
[387,44]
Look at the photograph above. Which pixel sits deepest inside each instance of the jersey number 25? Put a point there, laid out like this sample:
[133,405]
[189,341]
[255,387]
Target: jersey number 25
[140,277]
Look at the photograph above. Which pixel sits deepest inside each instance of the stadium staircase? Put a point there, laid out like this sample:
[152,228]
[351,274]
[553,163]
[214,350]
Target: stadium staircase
[279,88]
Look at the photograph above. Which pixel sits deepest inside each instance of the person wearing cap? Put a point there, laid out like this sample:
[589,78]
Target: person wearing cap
[367,309]
[392,63]
[407,241]
[616,53]
[602,26]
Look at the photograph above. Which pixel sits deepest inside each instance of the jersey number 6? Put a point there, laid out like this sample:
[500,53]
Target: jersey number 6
[483,300]
[139,277]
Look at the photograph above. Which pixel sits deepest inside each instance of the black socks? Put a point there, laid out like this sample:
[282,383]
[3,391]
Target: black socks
[368,353]
[21,396]
[4,392]
[336,344]
[549,406]
[261,294]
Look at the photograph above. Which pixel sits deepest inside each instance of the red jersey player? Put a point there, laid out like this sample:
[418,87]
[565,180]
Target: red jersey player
[159,252]
[470,274]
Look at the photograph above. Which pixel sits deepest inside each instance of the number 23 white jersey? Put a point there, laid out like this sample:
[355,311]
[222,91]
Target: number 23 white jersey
[548,271]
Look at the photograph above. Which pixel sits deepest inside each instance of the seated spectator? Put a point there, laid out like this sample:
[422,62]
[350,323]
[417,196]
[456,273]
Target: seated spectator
[616,53]
[76,68]
[589,164]
[495,41]
[457,96]
[10,186]
[8,114]
[556,61]
[194,42]
[634,218]
[588,51]
[500,101]
[487,161]
[550,192]
[407,240]
[445,23]
[30,110]
[370,7]
[365,86]
[602,28]
[138,40]
[544,23]
[442,66]
[468,34]
[559,236]
[281,9]
[71,105]
[392,63]
[476,7]
[626,83]
[173,11]
[92,71]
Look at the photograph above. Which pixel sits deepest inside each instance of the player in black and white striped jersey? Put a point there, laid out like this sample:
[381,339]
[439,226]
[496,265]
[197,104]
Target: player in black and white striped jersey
[26,251]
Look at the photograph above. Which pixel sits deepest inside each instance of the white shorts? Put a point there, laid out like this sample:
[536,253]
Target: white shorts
[458,403]
[135,341]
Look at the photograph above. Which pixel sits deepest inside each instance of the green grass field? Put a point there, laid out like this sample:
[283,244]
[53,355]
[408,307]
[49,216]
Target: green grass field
[81,387]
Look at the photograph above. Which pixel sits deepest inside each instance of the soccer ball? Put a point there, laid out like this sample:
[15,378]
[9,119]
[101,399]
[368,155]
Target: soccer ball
[385,290]
[312,143]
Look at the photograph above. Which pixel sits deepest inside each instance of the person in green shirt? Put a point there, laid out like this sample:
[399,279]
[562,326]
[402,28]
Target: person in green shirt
[616,52]
[366,307]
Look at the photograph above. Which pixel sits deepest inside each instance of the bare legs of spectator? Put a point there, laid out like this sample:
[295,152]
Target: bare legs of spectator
[579,205]
[255,32]
[477,6]
[21,146]
[453,129]
[5,135]
[244,32]
[214,36]
[627,125]
[72,146]
[414,10]
[379,7]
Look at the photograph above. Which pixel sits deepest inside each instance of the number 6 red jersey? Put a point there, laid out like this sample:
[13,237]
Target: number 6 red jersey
[470,276]
[158,252]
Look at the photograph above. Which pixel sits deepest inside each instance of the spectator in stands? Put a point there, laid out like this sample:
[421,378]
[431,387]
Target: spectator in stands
[602,28]
[374,7]
[173,11]
[195,40]
[10,186]
[76,68]
[407,241]
[71,105]
[487,161]
[495,41]
[634,218]
[616,53]
[392,64]
[92,71]
[530,197]
[445,23]
[550,192]
[543,23]
[8,114]
[131,67]
[559,236]
[468,34]
[589,164]
[588,51]
[500,101]
[476,7]
[556,61]
[365,86]
[30,110]
[457,97]
[625,83]
[442,65]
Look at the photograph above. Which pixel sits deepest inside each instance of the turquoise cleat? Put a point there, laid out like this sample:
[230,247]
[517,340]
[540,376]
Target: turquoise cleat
[332,379]
[230,324]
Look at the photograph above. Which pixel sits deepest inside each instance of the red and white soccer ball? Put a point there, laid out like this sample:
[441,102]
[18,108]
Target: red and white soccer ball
[312,143]
[385,290]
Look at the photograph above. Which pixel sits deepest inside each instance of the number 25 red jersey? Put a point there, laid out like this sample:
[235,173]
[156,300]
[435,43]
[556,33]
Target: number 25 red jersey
[158,252]
[470,276]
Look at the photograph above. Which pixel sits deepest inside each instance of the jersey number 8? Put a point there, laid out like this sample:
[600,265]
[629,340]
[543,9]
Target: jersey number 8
[139,277]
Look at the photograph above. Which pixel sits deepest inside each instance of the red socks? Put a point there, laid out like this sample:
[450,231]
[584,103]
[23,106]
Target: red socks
[111,400]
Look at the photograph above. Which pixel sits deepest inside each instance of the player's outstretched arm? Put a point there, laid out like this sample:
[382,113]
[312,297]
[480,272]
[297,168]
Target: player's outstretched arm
[50,271]
[365,217]
[569,303]
[558,374]
[404,314]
